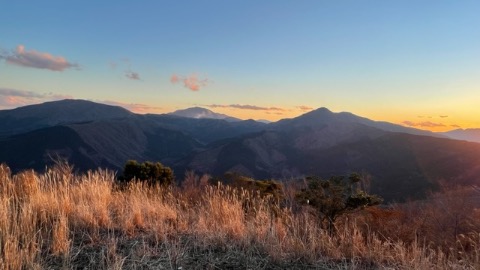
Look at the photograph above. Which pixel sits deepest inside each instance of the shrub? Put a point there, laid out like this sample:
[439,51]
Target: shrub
[150,172]
[334,197]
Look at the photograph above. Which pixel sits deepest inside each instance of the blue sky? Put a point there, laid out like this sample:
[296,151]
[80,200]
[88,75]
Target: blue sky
[407,62]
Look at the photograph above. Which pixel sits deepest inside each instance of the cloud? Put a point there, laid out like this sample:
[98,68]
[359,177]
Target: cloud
[304,108]
[134,107]
[423,124]
[247,107]
[174,79]
[455,126]
[132,75]
[113,65]
[191,82]
[126,65]
[443,116]
[12,98]
[35,59]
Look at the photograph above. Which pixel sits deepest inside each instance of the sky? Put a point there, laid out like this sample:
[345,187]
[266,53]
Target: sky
[414,63]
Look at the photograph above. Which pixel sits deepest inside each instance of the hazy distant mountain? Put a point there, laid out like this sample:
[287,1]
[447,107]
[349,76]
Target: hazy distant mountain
[198,113]
[472,135]
[265,121]
[54,113]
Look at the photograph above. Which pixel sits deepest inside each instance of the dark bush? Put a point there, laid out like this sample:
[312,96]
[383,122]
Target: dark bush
[151,172]
[334,197]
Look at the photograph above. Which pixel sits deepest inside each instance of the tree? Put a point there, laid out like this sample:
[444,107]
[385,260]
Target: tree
[150,172]
[264,187]
[334,197]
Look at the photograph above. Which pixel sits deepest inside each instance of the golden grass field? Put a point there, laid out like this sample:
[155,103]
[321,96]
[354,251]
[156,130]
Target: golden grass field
[60,220]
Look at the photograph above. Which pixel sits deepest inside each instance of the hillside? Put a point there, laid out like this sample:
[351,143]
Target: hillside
[54,113]
[62,220]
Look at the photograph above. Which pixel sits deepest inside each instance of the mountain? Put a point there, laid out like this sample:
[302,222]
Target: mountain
[88,134]
[88,145]
[402,162]
[206,130]
[198,113]
[471,135]
[265,121]
[35,149]
[323,116]
[54,113]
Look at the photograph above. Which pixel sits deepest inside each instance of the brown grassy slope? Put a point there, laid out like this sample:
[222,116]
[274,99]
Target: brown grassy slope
[61,220]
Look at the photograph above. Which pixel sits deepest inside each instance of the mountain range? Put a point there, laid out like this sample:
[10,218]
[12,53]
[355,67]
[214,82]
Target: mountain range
[401,162]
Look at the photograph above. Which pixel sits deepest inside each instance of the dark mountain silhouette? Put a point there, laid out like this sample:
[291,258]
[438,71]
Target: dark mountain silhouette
[403,162]
[36,149]
[54,113]
[323,116]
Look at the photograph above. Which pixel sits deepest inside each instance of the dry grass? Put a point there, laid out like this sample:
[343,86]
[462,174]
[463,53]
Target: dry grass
[61,220]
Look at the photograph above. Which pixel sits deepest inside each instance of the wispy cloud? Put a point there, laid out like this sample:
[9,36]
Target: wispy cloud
[455,126]
[12,98]
[132,75]
[192,82]
[35,59]
[113,65]
[126,65]
[443,116]
[247,107]
[426,124]
[134,107]
[304,108]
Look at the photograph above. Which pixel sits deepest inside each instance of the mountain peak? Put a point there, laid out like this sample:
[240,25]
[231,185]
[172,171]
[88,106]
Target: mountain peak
[199,112]
[53,113]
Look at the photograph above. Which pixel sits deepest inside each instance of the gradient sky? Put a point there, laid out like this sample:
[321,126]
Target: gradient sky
[415,63]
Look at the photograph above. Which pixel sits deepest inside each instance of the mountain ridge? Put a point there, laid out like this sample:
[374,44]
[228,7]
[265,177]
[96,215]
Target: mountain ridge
[402,162]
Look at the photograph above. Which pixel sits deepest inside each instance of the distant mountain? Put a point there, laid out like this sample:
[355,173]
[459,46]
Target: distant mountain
[323,116]
[206,130]
[54,113]
[265,121]
[403,162]
[199,113]
[325,143]
[471,135]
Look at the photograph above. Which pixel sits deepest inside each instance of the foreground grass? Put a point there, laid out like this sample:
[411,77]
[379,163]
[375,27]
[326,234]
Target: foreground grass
[61,220]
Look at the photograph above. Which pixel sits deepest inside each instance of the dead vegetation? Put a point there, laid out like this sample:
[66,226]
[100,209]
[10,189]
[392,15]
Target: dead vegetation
[61,220]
